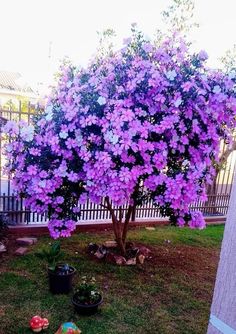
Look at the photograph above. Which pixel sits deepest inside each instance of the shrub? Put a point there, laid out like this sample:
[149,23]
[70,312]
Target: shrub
[143,122]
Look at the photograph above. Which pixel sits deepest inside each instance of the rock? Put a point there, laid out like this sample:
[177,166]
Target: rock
[150,228]
[35,240]
[131,262]
[120,260]
[145,251]
[92,248]
[101,252]
[141,258]
[99,255]
[26,241]
[115,259]
[110,244]
[2,248]
[131,253]
[21,251]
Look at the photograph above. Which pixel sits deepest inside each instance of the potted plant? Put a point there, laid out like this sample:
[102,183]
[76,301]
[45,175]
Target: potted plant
[87,298]
[60,274]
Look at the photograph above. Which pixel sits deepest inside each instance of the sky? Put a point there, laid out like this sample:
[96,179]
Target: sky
[36,34]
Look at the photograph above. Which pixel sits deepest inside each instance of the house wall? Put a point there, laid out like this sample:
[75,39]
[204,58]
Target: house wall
[16,97]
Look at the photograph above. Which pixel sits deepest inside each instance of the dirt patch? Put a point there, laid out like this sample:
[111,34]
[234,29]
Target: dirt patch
[191,259]
[186,258]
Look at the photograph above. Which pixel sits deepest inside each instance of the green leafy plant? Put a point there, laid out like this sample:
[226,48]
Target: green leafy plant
[51,255]
[87,292]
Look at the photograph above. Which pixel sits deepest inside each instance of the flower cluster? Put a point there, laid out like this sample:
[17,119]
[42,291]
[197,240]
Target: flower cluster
[87,292]
[146,116]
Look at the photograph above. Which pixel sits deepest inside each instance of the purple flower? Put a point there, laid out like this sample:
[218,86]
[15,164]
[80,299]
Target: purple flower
[171,75]
[101,100]
[203,55]
[32,170]
[136,117]
[197,221]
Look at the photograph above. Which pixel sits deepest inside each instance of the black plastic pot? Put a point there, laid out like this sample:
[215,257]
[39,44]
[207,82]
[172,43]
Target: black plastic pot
[86,309]
[60,282]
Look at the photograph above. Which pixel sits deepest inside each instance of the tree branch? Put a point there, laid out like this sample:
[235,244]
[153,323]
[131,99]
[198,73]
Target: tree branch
[120,214]
[226,154]
[126,223]
[104,206]
[116,227]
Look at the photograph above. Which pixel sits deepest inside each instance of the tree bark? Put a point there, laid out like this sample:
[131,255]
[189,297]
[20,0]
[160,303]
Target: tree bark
[117,226]
[126,223]
[121,228]
[224,299]
[224,156]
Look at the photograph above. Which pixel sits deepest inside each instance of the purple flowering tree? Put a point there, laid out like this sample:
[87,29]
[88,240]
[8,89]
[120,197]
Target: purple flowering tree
[143,122]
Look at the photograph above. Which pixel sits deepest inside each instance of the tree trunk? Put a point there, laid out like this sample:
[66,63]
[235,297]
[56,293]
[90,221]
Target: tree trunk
[223,309]
[120,229]
[133,216]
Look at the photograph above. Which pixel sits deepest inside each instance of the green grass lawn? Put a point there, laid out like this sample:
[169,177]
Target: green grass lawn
[171,293]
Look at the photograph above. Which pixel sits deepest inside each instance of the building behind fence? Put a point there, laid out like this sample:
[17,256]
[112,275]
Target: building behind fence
[217,203]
